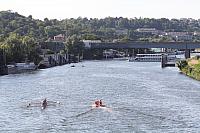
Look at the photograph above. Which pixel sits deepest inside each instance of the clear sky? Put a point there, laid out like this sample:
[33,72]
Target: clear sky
[61,9]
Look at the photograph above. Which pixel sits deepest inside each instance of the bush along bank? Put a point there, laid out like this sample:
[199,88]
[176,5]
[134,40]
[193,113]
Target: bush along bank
[190,67]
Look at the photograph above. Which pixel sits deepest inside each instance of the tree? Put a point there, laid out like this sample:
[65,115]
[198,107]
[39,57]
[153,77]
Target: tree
[15,50]
[30,17]
[74,45]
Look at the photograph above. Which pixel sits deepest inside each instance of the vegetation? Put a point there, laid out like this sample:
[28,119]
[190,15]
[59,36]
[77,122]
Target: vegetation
[74,45]
[19,35]
[190,67]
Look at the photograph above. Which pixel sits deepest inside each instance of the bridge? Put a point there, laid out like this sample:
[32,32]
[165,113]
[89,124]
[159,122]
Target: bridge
[187,46]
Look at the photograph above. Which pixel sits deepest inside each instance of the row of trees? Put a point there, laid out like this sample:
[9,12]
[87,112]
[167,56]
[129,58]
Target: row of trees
[20,48]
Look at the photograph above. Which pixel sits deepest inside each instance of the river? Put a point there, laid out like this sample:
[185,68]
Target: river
[140,98]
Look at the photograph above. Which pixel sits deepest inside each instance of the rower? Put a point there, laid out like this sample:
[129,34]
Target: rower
[97,103]
[101,103]
[28,105]
[44,103]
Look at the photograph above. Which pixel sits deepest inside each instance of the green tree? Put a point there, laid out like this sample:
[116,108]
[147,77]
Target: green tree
[74,45]
[15,50]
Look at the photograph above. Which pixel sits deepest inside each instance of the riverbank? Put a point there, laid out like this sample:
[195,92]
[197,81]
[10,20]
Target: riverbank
[48,61]
[190,67]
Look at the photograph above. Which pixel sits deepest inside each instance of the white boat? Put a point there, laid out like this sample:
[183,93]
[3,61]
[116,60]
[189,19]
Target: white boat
[149,58]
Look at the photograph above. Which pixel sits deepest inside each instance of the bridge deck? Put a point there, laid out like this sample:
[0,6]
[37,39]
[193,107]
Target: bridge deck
[175,45]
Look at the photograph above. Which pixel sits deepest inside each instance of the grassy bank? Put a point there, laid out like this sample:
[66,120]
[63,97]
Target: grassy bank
[190,67]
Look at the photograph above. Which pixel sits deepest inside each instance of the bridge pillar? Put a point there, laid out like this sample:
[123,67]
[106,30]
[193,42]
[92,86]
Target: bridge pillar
[187,53]
[79,58]
[126,52]
[163,60]
[131,52]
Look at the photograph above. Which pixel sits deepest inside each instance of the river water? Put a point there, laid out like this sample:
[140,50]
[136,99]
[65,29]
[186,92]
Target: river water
[140,97]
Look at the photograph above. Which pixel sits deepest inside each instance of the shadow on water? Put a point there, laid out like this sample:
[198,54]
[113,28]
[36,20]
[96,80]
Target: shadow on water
[84,113]
[80,114]
[139,113]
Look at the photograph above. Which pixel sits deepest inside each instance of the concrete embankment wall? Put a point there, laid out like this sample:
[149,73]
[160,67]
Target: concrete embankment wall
[3,70]
[51,60]
[3,67]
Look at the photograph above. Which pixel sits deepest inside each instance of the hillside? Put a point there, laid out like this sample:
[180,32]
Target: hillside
[19,35]
[105,29]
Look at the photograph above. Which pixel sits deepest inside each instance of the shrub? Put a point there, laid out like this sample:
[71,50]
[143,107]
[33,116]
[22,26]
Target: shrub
[182,64]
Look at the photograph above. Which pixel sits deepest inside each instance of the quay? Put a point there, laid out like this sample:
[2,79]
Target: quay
[166,62]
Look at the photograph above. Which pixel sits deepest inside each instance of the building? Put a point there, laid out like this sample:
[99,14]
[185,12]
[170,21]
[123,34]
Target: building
[174,34]
[196,33]
[121,31]
[184,38]
[180,36]
[149,30]
[87,43]
[116,40]
[59,38]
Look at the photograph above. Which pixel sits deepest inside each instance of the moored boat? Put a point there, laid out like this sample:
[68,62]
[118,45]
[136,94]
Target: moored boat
[149,58]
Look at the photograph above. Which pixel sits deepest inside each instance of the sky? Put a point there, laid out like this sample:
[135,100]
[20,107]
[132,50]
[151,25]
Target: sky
[61,9]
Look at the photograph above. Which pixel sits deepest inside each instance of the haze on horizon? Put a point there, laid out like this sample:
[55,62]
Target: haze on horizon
[61,9]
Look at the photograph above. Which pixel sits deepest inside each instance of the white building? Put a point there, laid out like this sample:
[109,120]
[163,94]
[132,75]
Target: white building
[184,38]
[149,30]
[174,34]
[59,38]
[180,36]
[87,43]
[121,31]
[196,33]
